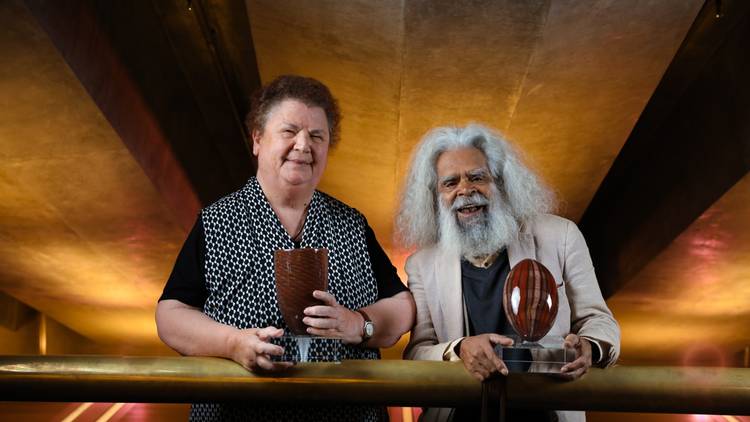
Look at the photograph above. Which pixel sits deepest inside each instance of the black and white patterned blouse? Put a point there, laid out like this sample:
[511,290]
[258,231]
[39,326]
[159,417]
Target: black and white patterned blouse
[241,234]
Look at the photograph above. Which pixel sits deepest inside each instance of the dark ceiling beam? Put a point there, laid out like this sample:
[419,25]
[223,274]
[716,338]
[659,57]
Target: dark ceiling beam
[213,46]
[228,24]
[690,145]
[13,313]
[160,74]
[79,36]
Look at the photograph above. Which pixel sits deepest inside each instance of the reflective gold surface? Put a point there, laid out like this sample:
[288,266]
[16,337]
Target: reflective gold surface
[692,303]
[565,80]
[658,389]
[86,238]
[355,47]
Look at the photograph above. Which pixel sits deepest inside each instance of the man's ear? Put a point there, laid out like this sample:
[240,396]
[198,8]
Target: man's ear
[255,139]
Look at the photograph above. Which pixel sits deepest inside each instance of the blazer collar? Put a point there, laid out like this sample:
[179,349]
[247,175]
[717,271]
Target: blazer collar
[522,248]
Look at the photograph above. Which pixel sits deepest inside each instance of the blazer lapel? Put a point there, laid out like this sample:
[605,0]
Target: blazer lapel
[524,247]
[448,276]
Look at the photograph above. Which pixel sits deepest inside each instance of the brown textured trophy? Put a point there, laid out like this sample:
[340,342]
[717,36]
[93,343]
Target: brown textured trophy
[298,273]
[530,304]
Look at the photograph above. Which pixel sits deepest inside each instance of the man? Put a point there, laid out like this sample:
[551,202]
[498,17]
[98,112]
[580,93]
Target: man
[473,210]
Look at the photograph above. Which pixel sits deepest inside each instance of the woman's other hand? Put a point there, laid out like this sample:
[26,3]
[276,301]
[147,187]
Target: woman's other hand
[251,348]
[333,320]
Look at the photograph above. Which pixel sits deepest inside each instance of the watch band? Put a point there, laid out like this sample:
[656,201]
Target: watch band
[367,321]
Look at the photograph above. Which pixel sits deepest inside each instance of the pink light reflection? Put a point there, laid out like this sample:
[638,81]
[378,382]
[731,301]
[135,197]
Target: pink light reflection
[705,354]
[708,246]
[707,418]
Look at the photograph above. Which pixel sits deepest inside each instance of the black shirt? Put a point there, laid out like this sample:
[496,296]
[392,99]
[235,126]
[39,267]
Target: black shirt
[483,293]
[187,283]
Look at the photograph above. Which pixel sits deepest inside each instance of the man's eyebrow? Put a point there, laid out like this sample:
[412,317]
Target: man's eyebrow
[291,125]
[478,172]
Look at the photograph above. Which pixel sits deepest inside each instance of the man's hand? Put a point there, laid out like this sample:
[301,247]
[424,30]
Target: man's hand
[333,320]
[581,365]
[478,355]
[251,349]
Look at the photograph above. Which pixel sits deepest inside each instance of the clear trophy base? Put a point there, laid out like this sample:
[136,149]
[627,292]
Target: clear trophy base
[301,349]
[547,356]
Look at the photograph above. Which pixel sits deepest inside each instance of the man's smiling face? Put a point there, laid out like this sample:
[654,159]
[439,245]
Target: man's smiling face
[464,184]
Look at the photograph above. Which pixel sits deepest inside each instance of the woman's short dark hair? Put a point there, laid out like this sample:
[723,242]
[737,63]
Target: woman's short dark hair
[306,90]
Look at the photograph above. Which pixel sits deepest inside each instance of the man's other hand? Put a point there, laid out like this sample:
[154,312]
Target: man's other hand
[581,365]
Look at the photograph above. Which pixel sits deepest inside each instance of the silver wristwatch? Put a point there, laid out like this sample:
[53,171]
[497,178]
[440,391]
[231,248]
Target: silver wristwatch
[368,329]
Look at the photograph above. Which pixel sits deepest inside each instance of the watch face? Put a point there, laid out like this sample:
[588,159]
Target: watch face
[369,329]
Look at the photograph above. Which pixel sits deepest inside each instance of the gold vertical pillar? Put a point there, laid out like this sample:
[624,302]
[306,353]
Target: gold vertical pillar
[42,334]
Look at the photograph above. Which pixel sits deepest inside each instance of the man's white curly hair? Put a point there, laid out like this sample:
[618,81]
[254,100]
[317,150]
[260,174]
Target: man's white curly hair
[417,220]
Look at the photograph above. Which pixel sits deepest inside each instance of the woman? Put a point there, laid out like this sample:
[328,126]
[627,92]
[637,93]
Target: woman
[220,299]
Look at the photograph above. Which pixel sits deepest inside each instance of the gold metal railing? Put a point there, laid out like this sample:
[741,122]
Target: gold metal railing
[396,383]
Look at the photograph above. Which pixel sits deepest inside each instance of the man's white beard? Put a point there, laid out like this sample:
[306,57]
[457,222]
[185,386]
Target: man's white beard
[484,234]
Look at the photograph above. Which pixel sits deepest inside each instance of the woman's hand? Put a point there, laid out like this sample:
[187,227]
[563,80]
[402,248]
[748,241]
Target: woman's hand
[333,320]
[251,349]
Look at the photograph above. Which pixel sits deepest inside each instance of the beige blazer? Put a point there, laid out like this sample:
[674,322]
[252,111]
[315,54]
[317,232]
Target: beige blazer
[435,281]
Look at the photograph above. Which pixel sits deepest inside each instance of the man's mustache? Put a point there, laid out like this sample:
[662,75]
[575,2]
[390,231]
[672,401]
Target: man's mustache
[474,200]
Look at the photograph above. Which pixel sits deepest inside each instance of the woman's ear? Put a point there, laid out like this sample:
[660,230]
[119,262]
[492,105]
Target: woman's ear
[255,139]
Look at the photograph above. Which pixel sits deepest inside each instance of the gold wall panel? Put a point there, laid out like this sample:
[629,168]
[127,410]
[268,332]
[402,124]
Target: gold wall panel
[86,238]
[691,304]
[591,74]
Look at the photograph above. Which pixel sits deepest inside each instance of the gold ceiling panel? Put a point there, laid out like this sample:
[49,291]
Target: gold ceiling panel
[565,80]
[464,62]
[591,75]
[355,48]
